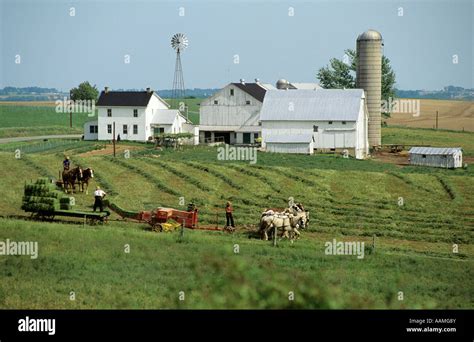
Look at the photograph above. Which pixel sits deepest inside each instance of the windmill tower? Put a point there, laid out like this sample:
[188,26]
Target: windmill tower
[179,42]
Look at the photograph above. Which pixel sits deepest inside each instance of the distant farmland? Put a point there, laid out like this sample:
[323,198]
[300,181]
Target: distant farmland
[453,115]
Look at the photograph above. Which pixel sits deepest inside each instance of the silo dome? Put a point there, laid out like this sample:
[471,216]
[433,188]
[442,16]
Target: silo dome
[370,35]
[282,84]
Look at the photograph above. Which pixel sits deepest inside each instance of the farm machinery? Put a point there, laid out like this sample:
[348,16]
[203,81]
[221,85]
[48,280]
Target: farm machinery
[161,219]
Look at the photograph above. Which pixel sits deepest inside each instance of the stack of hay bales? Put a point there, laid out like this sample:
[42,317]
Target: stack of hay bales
[43,196]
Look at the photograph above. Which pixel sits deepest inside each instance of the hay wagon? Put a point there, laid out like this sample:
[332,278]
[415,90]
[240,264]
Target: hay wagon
[45,202]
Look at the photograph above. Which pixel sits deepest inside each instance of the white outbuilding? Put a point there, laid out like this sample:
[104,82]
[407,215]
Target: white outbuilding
[322,120]
[445,157]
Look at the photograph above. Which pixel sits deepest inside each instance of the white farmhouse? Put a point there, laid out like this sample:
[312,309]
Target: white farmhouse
[232,114]
[301,121]
[137,115]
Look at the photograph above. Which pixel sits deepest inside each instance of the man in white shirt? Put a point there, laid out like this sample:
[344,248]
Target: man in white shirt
[99,194]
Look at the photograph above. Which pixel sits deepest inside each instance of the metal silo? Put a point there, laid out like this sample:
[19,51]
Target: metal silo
[369,78]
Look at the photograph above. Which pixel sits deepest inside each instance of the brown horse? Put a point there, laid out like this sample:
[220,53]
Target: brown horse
[87,174]
[70,177]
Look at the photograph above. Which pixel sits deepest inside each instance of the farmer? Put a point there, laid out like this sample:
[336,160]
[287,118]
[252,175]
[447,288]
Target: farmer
[228,215]
[99,196]
[66,163]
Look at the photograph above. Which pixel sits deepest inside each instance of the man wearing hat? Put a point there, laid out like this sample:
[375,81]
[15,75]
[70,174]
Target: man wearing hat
[66,163]
[99,195]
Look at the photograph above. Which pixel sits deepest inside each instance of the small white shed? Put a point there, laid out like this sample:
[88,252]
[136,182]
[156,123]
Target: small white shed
[301,144]
[445,157]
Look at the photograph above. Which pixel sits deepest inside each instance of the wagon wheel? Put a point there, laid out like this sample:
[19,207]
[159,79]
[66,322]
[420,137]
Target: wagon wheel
[157,227]
[91,221]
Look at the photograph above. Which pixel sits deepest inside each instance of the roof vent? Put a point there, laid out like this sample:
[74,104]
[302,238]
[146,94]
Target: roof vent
[257,80]
[148,90]
[242,81]
[106,90]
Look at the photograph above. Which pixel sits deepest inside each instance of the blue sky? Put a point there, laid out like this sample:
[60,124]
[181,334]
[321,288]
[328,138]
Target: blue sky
[59,50]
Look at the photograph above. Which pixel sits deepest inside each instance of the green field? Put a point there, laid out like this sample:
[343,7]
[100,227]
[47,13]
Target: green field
[348,200]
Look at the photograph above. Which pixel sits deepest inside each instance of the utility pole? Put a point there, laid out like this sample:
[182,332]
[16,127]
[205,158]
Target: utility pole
[436,119]
[70,108]
[113,139]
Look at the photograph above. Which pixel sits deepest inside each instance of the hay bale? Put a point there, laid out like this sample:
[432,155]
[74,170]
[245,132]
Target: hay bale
[65,206]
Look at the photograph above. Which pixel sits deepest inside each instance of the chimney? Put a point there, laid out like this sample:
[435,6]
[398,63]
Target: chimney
[242,81]
[148,90]
[257,81]
[106,90]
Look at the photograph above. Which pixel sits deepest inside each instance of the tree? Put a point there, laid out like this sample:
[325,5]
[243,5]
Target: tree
[85,91]
[341,74]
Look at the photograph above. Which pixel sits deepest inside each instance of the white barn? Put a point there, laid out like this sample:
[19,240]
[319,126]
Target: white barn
[301,121]
[445,157]
[232,114]
[138,116]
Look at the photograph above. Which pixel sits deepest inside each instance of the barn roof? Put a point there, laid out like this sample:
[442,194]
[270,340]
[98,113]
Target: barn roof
[124,98]
[289,138]
[312,105]
[434,150]
[310,86]
[253,89]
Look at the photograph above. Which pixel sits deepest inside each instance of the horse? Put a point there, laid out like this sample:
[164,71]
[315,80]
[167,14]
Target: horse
[87,174]
[70,177]
[287,223]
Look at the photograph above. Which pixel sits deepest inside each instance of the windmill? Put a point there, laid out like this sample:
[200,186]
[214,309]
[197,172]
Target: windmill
[179,42]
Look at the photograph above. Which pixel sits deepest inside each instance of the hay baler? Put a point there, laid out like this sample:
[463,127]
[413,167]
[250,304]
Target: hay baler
[162,219]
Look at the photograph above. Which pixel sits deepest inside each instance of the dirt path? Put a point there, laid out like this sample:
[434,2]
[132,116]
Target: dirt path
[109,150]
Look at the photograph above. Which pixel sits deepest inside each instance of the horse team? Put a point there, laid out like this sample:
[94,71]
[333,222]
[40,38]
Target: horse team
[79,175]
[287,222]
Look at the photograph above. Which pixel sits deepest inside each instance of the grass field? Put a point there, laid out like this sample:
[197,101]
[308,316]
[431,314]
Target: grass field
[452,115]
[348,199]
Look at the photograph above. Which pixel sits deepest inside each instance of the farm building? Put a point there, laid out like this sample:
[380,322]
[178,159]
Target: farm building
[232,114]
[298,121]
[138,116]
[446,157]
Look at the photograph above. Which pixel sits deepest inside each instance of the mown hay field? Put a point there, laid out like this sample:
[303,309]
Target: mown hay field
[349,200]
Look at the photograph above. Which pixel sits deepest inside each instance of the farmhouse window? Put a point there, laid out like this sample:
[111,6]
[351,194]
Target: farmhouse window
[92,129]
[247,102]
[135,113]
[330,122]
[343,122]
[109,112]
[135,129]
[423,156]
[109,129]
[125,129]
[315,128]
[232,92]
[216,102]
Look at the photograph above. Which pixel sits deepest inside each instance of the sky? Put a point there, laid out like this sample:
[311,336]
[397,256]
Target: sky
[43,44]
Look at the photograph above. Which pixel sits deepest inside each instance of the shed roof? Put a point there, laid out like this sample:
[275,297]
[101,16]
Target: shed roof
[289,138]
[312,105]
[434,150]
[165,116]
